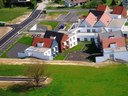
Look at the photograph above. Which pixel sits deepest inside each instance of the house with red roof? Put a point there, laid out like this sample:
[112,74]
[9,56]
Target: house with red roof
[89,21]
[61,38]
[95,22]
[42,48]
[46,43]
[103,8]
[113,47]
[104,20]
[120,10]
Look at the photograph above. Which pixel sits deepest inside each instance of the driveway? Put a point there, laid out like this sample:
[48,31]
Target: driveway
[13,53]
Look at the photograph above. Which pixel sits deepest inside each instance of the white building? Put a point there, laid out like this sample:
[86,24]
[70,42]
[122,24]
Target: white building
[41,53]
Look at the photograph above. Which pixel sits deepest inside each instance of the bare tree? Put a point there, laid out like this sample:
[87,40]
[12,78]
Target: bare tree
[37,72]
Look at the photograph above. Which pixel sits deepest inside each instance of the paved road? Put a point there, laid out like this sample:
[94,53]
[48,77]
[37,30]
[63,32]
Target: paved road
[69,10]
[19,79]
[17,28]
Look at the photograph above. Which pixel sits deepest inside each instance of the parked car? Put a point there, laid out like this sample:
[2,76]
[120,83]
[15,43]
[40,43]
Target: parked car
[61,26]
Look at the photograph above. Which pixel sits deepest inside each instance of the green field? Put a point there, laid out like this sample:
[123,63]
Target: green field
[8,14]
[27,40]
[75,81]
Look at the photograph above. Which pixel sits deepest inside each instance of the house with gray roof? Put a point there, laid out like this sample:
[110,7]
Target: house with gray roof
[70,3]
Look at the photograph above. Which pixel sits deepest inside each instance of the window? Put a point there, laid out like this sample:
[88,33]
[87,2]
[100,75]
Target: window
[109,30]
[49,52]
[45,53]
[88,30]
[78,39]
[70,39]
[92,39]
[111,36]
[125,35]
[73,38]
[85,39]
[93,30]
[78,31]
[74,43]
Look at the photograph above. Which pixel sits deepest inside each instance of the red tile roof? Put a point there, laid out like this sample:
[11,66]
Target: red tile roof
[47,42]
[120,42]
[102,8]
[105,19]
[91,19]
[120,10]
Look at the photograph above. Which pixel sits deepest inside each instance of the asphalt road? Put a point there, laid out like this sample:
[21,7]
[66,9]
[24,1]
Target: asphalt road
[19,79]
[18,27]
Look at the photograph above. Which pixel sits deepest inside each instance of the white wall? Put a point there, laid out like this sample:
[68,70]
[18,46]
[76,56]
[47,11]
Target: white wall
[82,36]
[41,55]
[72,41]
[113,29]
[123,55]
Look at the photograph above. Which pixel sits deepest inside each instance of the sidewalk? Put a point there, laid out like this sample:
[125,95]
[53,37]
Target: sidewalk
[42,5]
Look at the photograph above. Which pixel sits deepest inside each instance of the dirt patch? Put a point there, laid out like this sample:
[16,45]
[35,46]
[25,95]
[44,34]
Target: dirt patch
[6,84]
[52,17]
[54,62]
[48,27]
[4,30]
[20,19]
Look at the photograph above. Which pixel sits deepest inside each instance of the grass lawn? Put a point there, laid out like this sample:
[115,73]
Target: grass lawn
[126,24]
[83,13]
[62,56]
[24,40]
[8,14]
[49,25]
[68,25]
[75,81]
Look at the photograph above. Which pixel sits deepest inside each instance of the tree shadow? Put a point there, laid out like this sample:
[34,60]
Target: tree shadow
[92,49]
[21,87]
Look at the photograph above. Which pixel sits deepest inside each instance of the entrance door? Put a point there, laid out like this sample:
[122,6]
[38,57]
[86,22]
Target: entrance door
[111,56]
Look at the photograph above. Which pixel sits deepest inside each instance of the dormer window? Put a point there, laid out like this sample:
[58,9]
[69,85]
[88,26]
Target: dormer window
[113,45]
[111,36]
[40,44]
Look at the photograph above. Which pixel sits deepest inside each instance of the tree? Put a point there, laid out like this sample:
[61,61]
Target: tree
[104,1]
[1,4]
[33,4]
[118,2]
[37,72]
